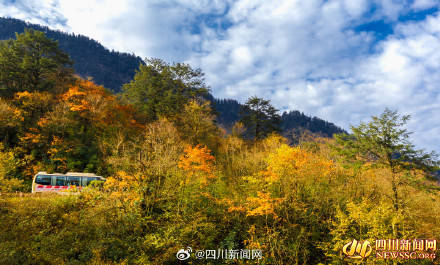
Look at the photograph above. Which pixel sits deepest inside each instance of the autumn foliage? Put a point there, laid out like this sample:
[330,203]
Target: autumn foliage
[175,179]
[197,162]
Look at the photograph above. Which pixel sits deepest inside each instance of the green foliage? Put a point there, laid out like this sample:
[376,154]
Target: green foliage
[197,124]
[32,62]
[260,117]
[112,69]
[161,90]
[107,67]
[8,180]
[384,141]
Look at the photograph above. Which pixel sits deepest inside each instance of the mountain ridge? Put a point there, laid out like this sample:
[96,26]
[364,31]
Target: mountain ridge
[112,69]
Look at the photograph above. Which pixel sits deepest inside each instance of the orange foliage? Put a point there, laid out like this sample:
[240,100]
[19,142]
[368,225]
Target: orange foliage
[75,99]
[42,122]
[79,97]
[198,161]
[263,204]
[94,102]
[231,205]
[24,94]
[30,137]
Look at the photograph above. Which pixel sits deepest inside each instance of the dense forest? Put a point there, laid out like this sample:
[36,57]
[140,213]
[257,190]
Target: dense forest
[112,69]
[108,68]
[175,179]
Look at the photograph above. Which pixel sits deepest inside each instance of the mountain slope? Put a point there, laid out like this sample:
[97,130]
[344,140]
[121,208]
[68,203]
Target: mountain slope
[229,110]
[108,68]
[113,69]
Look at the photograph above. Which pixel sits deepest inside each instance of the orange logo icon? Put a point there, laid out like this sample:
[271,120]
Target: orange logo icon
[357,249]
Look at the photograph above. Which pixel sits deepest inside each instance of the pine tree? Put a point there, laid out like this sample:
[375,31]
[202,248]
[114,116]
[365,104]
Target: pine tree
[32,62]
[260,117]
[160,89]
[384,142]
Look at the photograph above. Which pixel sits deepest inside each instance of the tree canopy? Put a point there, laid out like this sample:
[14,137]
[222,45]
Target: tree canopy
[260,117]
[32,62]
[162,89]
[384,141]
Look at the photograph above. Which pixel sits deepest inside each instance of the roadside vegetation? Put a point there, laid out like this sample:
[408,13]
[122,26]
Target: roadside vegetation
[177,179]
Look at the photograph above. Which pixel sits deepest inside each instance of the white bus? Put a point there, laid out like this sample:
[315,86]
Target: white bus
[44,182]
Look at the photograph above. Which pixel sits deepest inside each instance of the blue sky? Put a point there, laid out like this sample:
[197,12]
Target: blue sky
[341,60]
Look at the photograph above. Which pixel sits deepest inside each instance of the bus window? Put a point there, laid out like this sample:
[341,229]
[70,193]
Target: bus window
[87,180]
[60,181]
[43,180]
[73,181]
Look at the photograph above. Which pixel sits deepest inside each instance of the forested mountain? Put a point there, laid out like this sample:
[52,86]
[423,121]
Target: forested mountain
[108,68]
[296,119]
[229,113]
[113,69]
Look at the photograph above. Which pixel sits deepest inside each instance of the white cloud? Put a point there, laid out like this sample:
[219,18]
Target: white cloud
[304,56]
[424,4]
[41,12]
[300,54]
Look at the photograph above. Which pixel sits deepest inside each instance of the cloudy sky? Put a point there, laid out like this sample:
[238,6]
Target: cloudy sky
[340,60]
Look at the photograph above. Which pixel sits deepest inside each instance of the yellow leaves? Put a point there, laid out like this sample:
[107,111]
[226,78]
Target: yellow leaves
[18,114]
[32,136]
[263,204]
[8,182]
[75,99]
[54,146]
[120,187]
[196,123]
[238,208]
[24,94]
[197,162]
[42,122]
[375,219]
[253,243]
[295,162]
[121,182]
[273,141]
[33,100]
[58,151]
[10,116]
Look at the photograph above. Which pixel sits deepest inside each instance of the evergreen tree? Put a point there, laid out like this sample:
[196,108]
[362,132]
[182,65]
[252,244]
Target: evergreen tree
[385,142]
[109,68]
[160,89]
[260,117]
[32,62]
